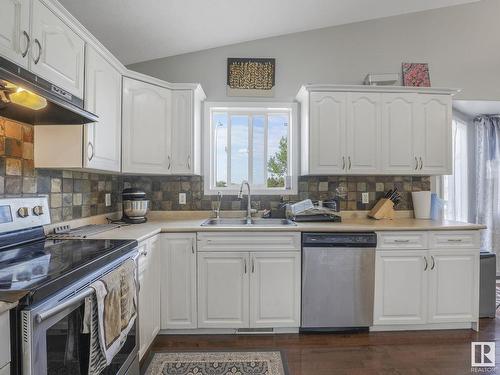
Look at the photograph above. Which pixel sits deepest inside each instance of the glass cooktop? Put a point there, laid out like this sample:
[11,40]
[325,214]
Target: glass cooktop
[44,267]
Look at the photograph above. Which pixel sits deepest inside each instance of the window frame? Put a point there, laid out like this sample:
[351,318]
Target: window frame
[249,108]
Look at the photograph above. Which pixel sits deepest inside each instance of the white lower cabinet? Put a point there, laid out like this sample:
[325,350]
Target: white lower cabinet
[453,291]
[400,287]
[246,284]
[178,281]
[274,289]
[427,286]
[223,290]
[149,290]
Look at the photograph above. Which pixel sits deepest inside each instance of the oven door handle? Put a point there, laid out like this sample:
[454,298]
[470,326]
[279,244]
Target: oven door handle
[69,302]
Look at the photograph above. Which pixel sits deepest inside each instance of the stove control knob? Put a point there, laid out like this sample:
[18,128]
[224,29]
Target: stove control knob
[38,210]
[23,212]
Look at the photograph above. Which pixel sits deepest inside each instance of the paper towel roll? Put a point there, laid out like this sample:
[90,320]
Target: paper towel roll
[421,204]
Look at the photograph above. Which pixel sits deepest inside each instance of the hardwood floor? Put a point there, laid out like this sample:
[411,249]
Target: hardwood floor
[424,352]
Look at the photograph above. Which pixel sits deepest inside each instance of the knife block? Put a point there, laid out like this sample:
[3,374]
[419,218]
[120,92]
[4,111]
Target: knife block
[383,209]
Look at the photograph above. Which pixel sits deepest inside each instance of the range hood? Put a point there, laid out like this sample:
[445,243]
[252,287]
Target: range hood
[28,98]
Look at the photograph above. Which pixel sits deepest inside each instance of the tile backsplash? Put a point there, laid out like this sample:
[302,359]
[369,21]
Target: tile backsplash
[76,194]
[72,195]
[163,191]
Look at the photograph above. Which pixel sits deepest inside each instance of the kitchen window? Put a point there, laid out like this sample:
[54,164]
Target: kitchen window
[250,142]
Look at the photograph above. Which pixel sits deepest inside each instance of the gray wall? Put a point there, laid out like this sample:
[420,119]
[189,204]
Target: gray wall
[461,44]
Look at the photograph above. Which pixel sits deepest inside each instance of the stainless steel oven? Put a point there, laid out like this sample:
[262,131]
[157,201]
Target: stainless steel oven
[52,338]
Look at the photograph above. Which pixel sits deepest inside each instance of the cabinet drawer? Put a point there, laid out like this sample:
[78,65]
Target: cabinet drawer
[402,240]
[454,239]
[255,241]
[4,341]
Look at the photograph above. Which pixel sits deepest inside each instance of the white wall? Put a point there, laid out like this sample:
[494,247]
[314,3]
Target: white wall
[461,44]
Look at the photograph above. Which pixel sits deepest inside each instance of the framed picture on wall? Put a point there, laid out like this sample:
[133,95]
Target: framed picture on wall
[416,75]
[251,76]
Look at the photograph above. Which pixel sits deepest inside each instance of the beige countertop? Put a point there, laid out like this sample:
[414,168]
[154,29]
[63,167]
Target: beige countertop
[191,222]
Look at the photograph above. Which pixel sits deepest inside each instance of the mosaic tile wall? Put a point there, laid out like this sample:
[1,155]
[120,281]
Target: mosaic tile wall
[163,191]
[72,195]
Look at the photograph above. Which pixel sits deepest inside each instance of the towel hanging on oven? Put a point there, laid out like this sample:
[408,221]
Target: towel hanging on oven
[110,314]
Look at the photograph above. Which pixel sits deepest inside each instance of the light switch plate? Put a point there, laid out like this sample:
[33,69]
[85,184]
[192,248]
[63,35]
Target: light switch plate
[182,198]
[365,198]
[107,199]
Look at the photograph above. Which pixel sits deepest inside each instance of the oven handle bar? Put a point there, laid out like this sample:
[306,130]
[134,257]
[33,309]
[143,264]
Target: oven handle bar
[40,317]
[69,302]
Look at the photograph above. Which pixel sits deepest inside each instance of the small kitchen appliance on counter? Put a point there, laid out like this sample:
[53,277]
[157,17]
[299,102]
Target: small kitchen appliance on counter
[135,206]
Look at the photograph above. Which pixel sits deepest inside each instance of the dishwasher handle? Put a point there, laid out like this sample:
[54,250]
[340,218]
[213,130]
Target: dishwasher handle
[361,239]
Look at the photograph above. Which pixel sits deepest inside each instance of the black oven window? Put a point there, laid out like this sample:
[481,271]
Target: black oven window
[68,348]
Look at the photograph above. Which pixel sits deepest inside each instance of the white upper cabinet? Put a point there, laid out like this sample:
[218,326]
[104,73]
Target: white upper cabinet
[327,132]
[363,133]
[15,30]
[103,96]
[146,128]
[367,130]
[178,281]
[57,52]
[398,124]
[433,145]
[182,132]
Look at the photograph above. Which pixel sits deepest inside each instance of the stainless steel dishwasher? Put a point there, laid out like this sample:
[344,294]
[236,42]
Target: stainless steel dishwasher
[338,274]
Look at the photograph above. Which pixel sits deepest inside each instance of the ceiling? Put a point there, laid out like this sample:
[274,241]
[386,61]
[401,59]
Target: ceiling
[147,29]
[475,108]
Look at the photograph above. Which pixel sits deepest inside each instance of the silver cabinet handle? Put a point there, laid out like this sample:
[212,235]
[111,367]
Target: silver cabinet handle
[349,159]
[37,42]
[245,264]
[28,41]
[169,162]
[189,161]
[343,162]
[253,265]
[68,303]
[416,163]
[91,147]
[192,248]
[144,253]
[426,264]
[454,240]
[433,263]
[421,163]
[401,241]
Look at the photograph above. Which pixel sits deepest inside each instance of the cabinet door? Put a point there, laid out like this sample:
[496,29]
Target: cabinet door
[178,281]
[432,134]
[363,133]
[14,30]
[145,315]
[182,132]
[453,286]
[398,122]
[400,287]
[155,272]
[103,96]
[146,128]
[223,290]
[327,133]
[274,289]
[57,52]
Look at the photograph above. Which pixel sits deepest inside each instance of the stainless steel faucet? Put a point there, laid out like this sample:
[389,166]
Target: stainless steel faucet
[249,203]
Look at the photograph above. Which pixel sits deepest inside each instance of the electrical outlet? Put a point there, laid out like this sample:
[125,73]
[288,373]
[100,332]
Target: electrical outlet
[182,198]
[107,199]
[365,198]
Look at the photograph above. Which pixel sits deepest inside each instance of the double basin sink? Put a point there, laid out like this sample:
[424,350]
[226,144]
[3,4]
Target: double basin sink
[238,222]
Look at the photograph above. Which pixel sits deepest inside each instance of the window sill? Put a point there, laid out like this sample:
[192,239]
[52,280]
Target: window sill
[225,191]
